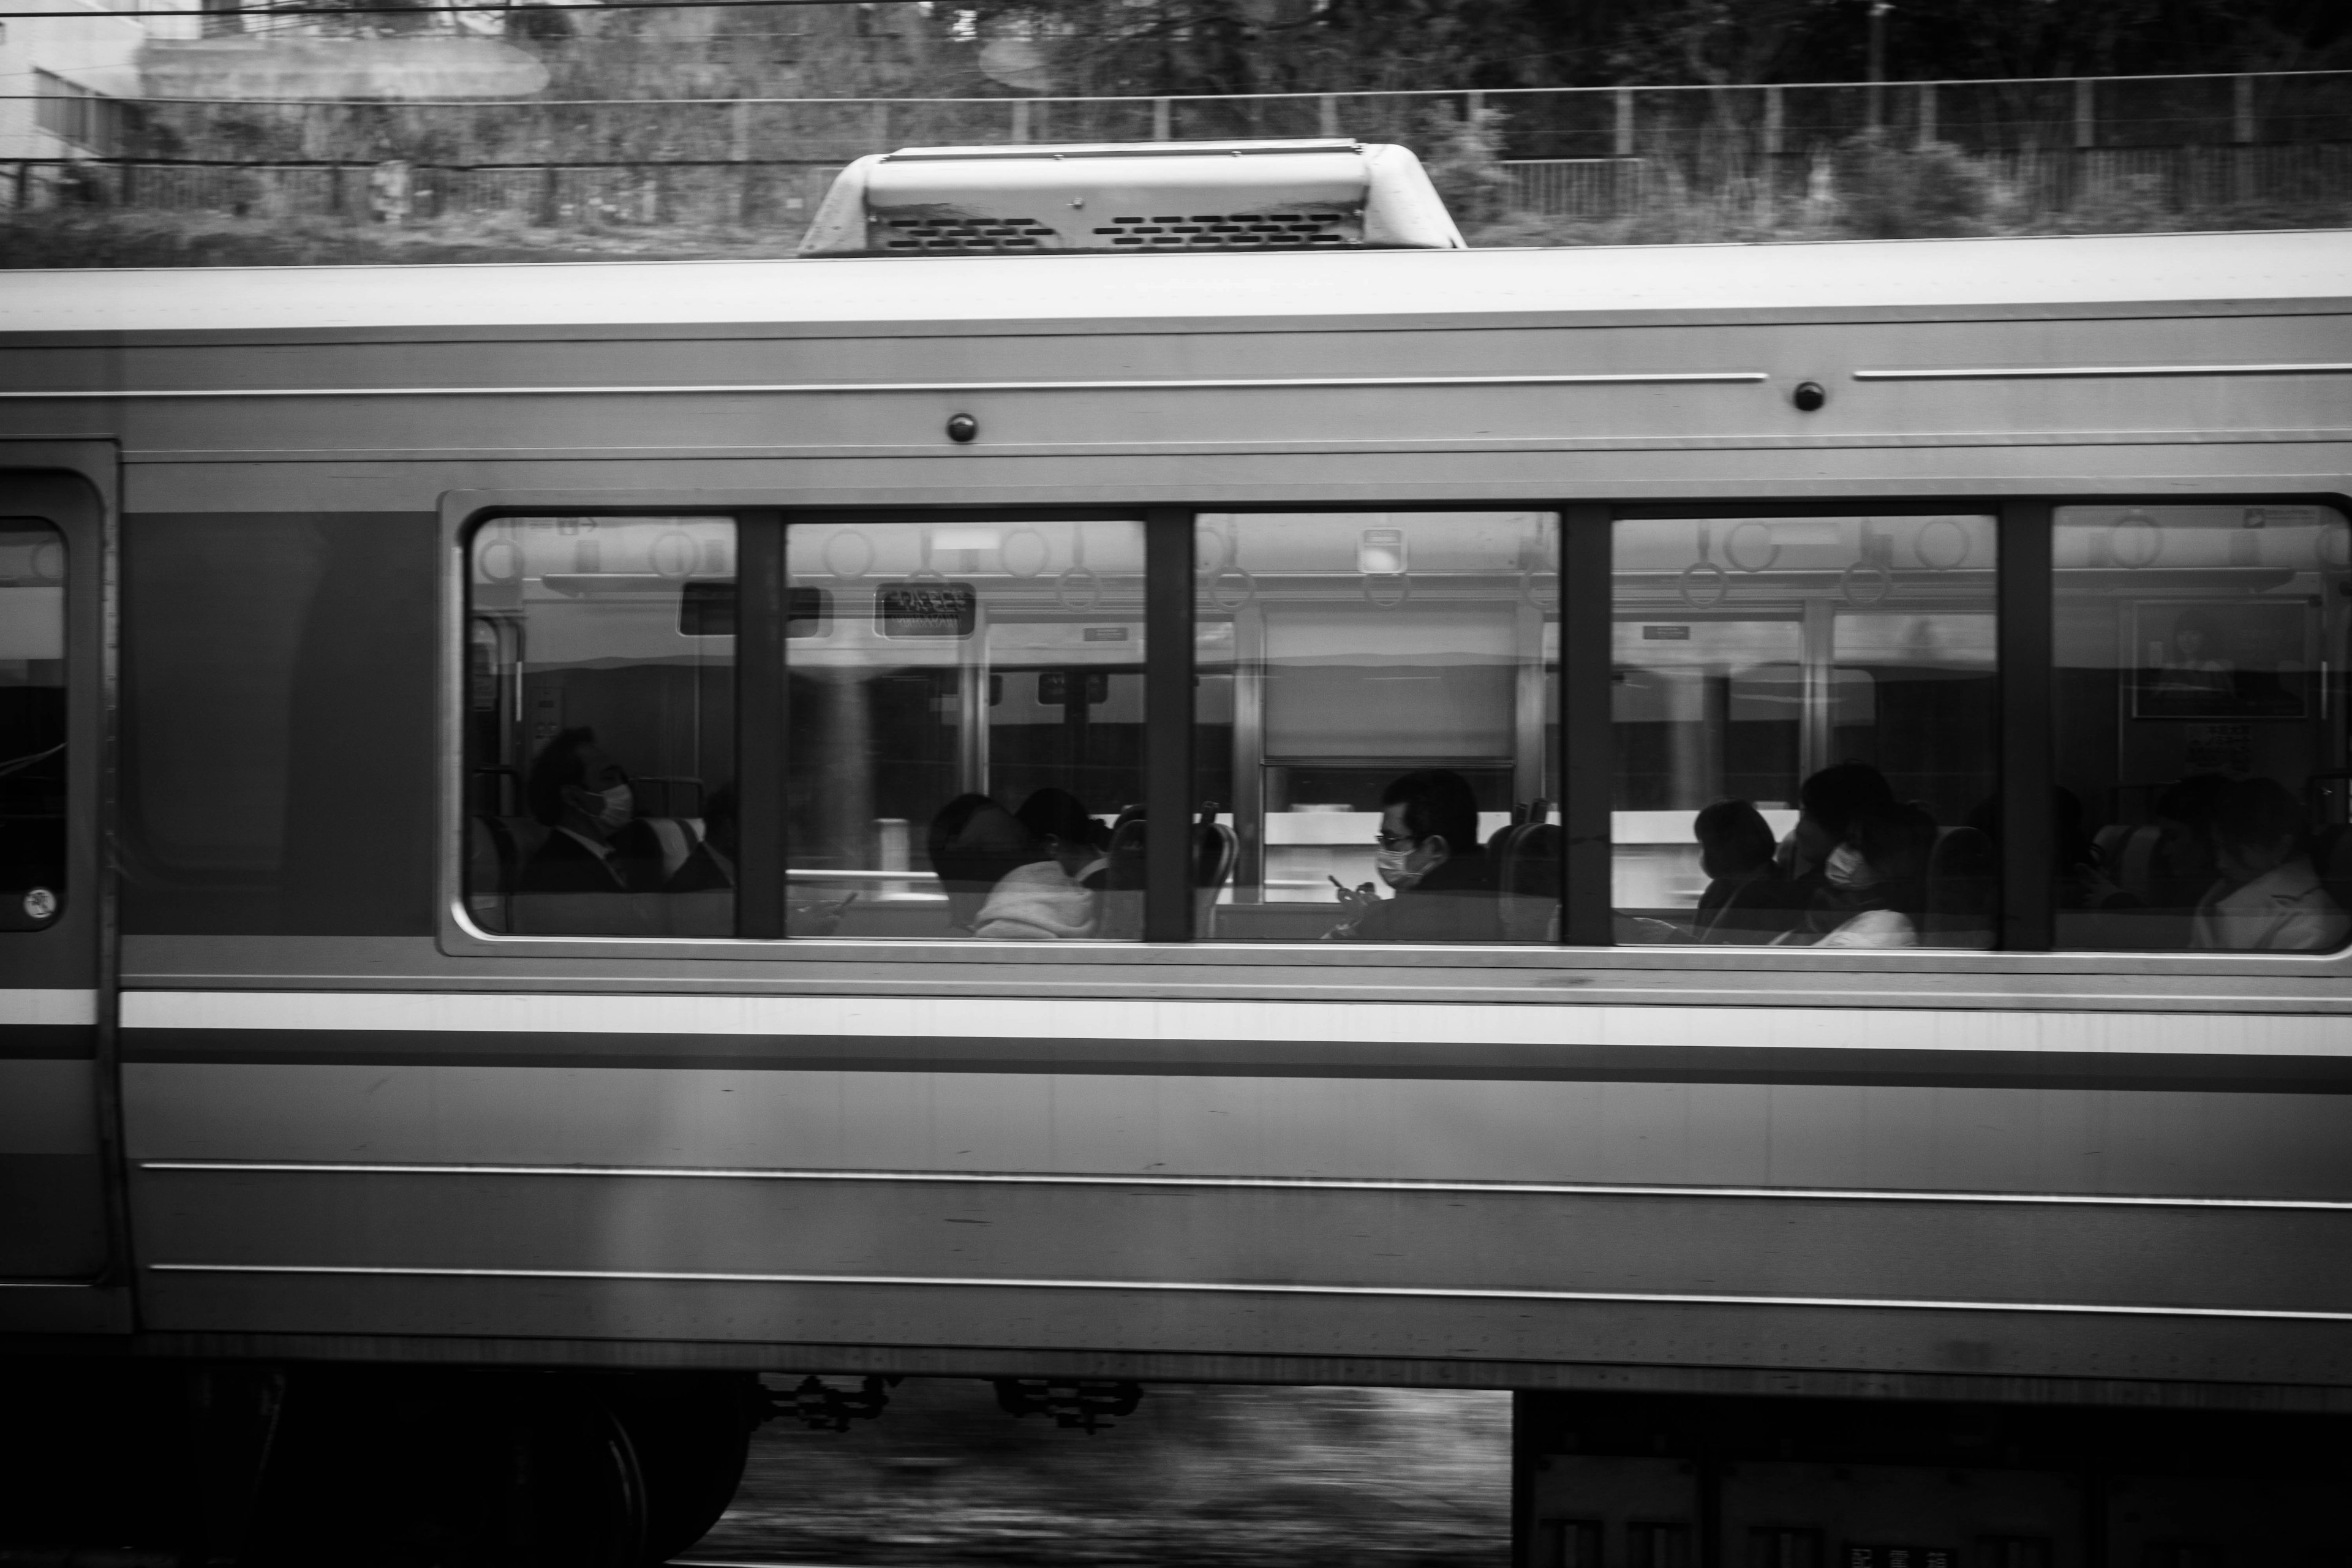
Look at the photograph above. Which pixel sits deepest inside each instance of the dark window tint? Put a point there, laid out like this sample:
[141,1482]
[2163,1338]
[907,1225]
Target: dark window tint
[1377,742]
[2202,797]
[32,724]
[600,726]
[966,755]
[1804,717]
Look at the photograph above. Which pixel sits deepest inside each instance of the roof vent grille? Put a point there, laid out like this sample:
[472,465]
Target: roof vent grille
[1131,198]
[942,236]
[1235,231]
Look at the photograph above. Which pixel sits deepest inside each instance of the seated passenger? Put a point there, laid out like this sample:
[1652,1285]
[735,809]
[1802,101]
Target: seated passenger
[1037,902]
[1430,853]
[597,845]
[1045,899]
[1829,805]
[1747,899]
[1059,824]
[1878,880]
[2269,899]
[973,842]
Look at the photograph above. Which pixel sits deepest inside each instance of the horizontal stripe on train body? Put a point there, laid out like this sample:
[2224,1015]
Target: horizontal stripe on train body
[37,1007]
[1559,1023]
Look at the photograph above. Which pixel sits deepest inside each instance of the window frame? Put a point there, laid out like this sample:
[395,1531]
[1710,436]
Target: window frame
[2024,602]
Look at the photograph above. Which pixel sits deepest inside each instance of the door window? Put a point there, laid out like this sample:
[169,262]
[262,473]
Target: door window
[32,724]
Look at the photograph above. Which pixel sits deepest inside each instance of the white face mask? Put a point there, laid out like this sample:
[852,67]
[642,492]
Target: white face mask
[613,808]
[1846,869]
[1390,864]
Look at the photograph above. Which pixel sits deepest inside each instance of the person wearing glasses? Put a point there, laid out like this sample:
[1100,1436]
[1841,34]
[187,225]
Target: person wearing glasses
[1429,853]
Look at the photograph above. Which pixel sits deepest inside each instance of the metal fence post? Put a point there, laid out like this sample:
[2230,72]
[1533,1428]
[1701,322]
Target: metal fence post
[2242,110]
[1327,114]
[1020,120]
[1624,121]
[2086,127]
[1162,126]
[1926,114]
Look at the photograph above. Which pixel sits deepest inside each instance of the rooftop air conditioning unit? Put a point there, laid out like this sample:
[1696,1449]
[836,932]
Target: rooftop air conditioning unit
[1131,198]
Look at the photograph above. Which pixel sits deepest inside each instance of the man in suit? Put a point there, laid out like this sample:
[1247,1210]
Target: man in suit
[597,845]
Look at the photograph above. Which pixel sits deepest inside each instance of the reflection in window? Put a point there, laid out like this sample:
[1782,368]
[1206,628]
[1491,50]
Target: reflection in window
[2200,732]
[966,755]
[1378,747]
[1804,712]
[600,734]
[32,725]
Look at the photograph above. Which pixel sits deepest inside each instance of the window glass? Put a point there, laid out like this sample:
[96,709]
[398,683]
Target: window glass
[600,726]
[32,724]
[966,755]
[1378,744]
[2201,727]
[1803,716]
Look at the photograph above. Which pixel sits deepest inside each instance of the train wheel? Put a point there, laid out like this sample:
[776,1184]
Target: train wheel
[453,1471]
[691,1434]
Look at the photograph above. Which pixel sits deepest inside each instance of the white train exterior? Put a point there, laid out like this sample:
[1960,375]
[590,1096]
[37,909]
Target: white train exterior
[274,1094]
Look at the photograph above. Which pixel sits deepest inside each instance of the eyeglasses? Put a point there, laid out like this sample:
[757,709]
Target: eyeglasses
[1395,840]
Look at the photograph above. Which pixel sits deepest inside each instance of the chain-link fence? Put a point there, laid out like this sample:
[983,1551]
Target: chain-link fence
[2181,144]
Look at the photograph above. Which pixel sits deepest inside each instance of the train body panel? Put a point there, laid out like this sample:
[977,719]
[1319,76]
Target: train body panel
[353,1107]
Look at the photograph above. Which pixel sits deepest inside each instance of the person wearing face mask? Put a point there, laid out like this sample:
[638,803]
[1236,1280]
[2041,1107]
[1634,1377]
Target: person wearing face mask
[1429,852]
[1829,804]
[1877,878]
[597,845]
[2269,899]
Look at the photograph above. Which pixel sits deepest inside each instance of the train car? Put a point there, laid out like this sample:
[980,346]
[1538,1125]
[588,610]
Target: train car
[1749,843]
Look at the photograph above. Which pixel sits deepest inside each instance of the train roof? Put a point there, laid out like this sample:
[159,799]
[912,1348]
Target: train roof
[2039,273]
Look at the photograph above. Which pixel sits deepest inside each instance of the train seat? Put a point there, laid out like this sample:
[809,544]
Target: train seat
[1962,873]
[1527,879]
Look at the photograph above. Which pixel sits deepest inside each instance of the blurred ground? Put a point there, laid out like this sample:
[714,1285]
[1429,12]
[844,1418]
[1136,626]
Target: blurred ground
[1197,1476]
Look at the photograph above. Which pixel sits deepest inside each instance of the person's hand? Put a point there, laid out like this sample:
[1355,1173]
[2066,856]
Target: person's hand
[1359,901]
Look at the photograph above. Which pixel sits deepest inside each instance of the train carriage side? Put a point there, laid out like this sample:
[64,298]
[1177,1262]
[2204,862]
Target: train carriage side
[1750,843]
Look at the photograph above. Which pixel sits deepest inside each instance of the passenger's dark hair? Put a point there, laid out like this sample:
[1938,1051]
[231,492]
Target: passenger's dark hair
[973,865]
[1057,814]
[557,768]
[1838,794]
[2256,813]
[2190,801]
[1439,801]
[1734,835]
[947,824]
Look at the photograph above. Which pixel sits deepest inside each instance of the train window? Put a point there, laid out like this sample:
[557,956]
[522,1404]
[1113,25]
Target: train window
[1803,710]
[600,726]
[966,749]
[2201,799]
[1377,701]
[32,724]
